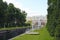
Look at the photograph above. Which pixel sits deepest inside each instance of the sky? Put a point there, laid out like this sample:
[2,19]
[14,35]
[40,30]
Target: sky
[32,7]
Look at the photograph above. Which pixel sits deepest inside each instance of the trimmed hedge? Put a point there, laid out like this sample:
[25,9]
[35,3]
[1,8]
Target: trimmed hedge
[53,22]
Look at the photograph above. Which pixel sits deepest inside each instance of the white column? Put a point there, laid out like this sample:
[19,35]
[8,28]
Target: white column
[39,24]
[32,25]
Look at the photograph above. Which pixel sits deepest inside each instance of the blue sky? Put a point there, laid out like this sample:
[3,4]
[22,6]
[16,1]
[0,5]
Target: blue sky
[32,7]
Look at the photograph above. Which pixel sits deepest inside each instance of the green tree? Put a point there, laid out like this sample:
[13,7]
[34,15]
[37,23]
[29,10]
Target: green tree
[11,16]
[3,11]
[15,16]
[53,23]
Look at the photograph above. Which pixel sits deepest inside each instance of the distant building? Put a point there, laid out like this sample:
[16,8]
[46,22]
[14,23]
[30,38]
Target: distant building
[37,21]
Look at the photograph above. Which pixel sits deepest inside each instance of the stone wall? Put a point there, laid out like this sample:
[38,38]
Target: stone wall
[7,34]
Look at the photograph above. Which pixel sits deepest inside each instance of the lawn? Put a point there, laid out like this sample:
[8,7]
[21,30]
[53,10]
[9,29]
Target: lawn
[43,35]
[10,28]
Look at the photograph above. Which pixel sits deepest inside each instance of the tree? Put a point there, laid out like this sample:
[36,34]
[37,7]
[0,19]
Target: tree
[11,16]
[3,11]
[53,23]
[52,15]
[15,16]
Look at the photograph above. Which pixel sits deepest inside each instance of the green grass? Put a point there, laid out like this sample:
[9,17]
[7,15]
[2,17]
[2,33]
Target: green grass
[43,35]
[11,28]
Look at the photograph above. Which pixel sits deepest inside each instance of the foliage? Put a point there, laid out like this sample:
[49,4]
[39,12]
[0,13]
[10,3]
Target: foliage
[3,11]
[51,25]
[53,22]
[28,23]
[10,16]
